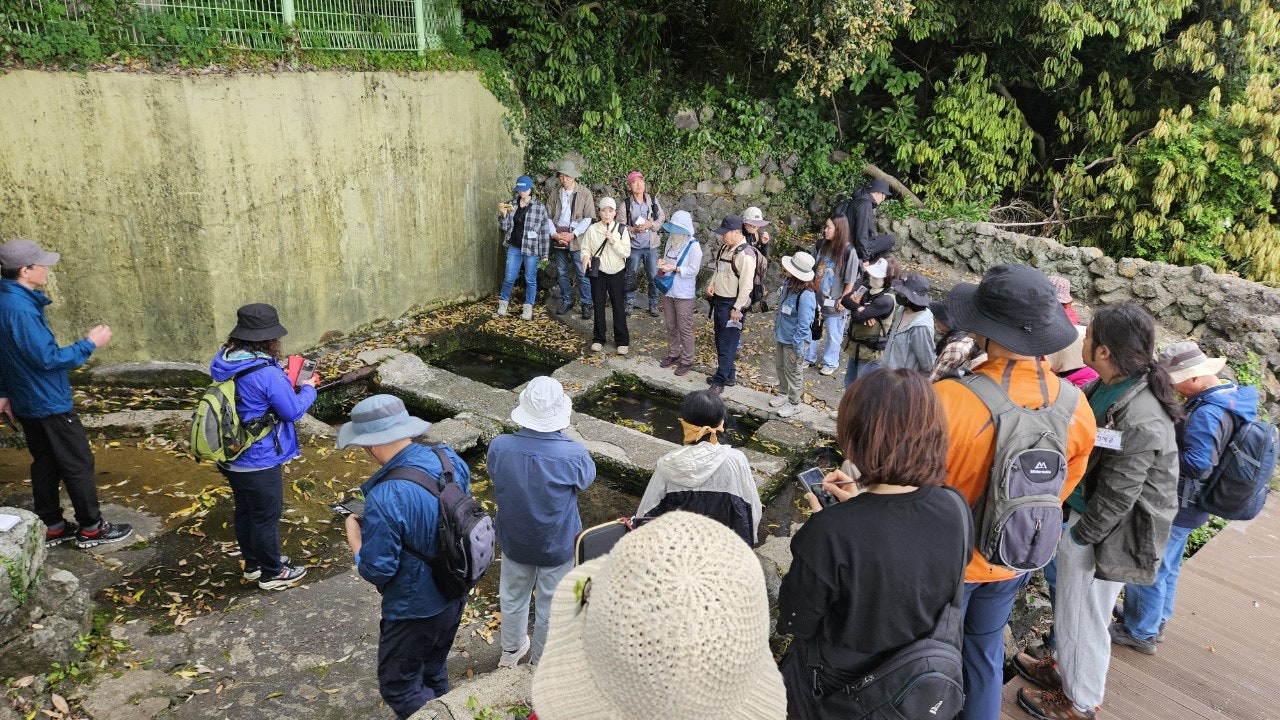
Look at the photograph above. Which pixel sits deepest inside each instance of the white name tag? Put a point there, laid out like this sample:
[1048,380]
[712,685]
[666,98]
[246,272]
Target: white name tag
[1107,438]
[787,310]
[828,303]
[532,234]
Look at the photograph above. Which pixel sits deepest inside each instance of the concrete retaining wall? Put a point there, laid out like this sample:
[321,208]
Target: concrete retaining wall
[341,198]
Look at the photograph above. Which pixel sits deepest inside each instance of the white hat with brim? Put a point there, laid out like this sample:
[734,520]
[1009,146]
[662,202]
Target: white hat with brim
[753,217]
[1185,360]
[674,621]
[879,268]
[379,420]
[799,265]
[543,407]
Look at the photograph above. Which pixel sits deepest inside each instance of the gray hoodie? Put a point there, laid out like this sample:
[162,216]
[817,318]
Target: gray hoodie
[708,479]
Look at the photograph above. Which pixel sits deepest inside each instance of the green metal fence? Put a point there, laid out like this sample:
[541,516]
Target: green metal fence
[263,25]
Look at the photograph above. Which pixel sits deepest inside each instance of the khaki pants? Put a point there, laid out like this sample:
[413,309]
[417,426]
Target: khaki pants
[677,316]
[790,368]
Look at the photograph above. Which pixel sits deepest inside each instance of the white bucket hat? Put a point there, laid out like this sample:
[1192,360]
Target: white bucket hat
[800,265]
[543,406]
[672,623]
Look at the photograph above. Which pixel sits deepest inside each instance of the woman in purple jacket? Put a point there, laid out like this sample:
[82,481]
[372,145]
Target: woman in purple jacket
[251,355]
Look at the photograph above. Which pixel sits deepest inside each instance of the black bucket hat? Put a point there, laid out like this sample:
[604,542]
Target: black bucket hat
[1016,306]
[256,322]
[913,287]
[941,313]
[881,186]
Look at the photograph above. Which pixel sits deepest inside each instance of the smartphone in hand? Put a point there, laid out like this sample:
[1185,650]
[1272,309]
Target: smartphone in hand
[811,481]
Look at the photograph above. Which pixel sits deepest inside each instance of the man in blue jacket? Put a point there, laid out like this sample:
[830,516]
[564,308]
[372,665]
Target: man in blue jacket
[1215,407]
[36,392]
[398,526]
[537,475]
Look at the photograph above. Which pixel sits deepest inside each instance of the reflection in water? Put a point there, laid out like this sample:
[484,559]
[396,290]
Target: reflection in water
[492,368]
[657,414]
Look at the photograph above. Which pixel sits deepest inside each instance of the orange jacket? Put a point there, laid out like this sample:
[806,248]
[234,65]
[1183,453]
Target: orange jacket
[972,437]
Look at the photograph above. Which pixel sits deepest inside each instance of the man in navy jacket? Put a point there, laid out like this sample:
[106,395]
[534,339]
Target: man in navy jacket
[418,623]
[36,392]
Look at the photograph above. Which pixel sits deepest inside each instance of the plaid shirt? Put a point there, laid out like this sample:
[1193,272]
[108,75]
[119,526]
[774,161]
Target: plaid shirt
[535,218]
[954,354]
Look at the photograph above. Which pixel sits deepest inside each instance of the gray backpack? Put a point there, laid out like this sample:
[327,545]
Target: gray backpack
[1018,519]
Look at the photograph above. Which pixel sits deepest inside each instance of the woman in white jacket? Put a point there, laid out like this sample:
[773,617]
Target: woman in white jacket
[607,244]
[704,476]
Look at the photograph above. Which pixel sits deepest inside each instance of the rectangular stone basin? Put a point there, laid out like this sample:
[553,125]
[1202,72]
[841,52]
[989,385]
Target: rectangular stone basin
[654,413]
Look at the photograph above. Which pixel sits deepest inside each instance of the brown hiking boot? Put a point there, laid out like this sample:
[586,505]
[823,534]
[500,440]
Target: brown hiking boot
[1041,672]
[1051,705]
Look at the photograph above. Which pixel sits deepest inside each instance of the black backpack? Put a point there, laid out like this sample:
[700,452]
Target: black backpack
[465,533]
[757,279]
[923,680]
[1238,486]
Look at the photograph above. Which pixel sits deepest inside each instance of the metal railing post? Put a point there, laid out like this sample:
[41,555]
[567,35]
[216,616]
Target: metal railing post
[286,10]
[420,25]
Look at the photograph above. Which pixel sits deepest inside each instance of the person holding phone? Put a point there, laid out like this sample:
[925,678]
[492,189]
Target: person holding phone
[873,572]
[605,249]
[252,356]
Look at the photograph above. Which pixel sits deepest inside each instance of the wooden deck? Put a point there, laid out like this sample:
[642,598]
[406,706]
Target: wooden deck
[1221,654]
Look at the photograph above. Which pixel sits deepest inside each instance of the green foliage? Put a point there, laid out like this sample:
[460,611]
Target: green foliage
[830,42]
[1202,535]
[1250,371]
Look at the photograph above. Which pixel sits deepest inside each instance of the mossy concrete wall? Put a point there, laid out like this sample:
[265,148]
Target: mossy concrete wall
[341,198]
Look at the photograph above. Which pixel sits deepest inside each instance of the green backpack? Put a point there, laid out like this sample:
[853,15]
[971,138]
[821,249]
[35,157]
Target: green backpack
[217,433]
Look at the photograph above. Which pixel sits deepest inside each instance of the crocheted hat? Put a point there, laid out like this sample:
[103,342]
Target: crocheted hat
[672,623]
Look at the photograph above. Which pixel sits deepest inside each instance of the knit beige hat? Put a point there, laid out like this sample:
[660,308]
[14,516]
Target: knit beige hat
[672,623]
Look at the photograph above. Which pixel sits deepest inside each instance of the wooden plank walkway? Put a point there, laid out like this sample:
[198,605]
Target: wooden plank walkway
[1221,654]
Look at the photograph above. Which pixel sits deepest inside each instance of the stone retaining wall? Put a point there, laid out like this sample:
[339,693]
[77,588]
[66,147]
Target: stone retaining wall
[1227,315]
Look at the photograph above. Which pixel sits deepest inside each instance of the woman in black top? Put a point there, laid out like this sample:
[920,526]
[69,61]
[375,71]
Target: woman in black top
[873,572]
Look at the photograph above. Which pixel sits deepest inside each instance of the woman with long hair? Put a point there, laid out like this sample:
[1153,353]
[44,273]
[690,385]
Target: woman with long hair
[874,572]
[837,269]
[264,396]
[705,476]
[1120,513]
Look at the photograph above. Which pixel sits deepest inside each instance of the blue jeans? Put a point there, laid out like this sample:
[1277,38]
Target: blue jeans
[727,340]
[831,340]
[1148,607]
[516,261]
[857,368]
[570,261]
[413,658]
[516,583]
[650,258]
[258,497]
[986,612]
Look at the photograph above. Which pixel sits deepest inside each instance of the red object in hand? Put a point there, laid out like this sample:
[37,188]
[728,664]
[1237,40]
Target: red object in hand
[293,367]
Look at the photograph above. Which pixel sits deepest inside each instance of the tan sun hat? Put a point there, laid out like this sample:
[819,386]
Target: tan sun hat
[672,623]
[1185,360]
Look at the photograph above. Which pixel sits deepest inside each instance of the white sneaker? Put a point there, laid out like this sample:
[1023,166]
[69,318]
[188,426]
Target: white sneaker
[502,308]
[623,349]
[788,410]
[596,347]
[527,314]
[511,659]
[827,371]
[779,401]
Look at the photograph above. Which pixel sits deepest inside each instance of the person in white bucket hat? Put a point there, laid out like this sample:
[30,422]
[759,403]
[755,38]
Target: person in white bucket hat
[797,306]
[672,623]
[537,474]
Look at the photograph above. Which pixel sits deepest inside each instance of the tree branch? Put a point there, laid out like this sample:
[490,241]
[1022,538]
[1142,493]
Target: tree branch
[1037,140]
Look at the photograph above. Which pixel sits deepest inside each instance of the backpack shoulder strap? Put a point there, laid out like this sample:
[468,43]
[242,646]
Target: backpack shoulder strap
[252,368]
[446,465]
[415,476]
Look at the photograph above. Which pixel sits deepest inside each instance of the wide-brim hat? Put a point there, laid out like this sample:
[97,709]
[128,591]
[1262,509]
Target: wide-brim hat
[800,265]
[568,167]
[1185,360]
[913,287]
[754,217]
[544,406]
[257,322]
[378,420]
[672,623]
[878,269]
[1016,306]
[940,313]
[20,253]
[681,223]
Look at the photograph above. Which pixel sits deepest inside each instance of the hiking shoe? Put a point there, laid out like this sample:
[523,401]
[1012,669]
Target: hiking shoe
[586,312]
[511,659]
[717,389]
[683,369]
[596,347]
[1160,634]
[106,533]
[779,401]
[788,410]
[827,371]
[564,308]
[527,313]
[253,572]
[1120,635]
[668,361]
[653,311]
[502,308]
[1051,705]
[623,349]
[53,538]
[1041,672]
[731,382]
[1117,612]
[287,578]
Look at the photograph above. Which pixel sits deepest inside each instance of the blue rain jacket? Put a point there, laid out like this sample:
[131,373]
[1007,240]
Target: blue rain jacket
[257,392]
[33,369]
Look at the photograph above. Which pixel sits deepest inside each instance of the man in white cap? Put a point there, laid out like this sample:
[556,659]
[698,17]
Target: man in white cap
[537,474]
[571,209]
[391,542]
[36,392]
[1215,408]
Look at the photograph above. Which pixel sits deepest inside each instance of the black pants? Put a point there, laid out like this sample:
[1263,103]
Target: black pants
[615,286]
[413,658]
[60,454]
[259,502]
